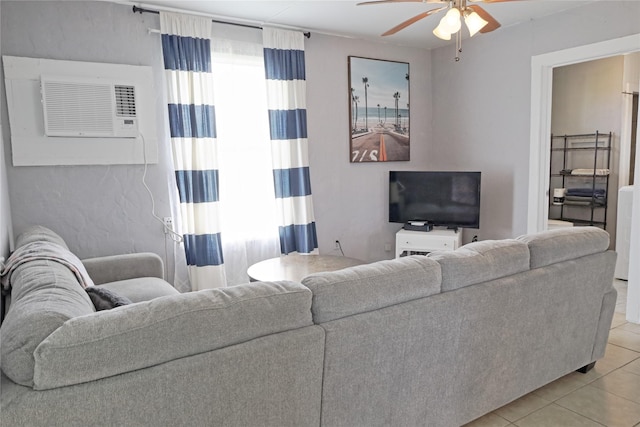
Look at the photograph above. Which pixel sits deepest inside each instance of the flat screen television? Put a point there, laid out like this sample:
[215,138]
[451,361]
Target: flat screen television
[450,199]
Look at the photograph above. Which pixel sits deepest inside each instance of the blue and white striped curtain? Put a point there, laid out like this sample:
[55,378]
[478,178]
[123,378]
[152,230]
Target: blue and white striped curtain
[186,47]
[286,99]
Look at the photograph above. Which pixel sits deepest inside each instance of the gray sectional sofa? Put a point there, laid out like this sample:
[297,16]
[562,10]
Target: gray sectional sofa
[418,341]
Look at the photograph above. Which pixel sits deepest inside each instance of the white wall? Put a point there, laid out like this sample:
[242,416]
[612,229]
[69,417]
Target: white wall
[587,97]
[633,290]
[482,103]
[630,85]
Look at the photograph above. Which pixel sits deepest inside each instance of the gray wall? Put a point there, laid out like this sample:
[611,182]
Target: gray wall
[351,199]
[6,227]
[98,210]
[482,105]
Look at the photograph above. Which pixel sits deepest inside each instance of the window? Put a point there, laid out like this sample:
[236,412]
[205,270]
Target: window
[247,209]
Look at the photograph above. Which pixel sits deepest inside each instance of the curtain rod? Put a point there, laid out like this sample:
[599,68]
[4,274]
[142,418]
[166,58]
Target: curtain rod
[141,10]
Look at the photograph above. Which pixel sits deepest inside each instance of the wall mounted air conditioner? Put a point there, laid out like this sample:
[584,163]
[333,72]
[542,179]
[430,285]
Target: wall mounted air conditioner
[81,113]
[81,107]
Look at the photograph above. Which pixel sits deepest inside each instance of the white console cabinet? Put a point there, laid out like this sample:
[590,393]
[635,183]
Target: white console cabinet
[422,242]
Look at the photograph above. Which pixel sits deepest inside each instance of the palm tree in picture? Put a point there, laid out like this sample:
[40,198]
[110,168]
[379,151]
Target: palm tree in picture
[407,77]
[354,99]
[408,120]
[397,97]
[385,117]
[365,81]
[379,121]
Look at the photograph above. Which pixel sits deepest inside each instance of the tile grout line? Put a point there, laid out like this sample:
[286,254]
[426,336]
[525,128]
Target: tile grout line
[606,391]
[613,392]
[555,402]
[579,414]
[549,402]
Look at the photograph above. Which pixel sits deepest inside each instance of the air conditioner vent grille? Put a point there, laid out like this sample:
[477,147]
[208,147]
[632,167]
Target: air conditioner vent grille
[74,106]
[77,107]
[125,101]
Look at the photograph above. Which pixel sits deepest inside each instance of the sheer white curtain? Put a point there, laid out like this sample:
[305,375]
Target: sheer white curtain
[248,212]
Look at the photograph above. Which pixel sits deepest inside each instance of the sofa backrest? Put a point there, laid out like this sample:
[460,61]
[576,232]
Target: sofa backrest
[563,244]
[44,295]
[392,331]
[480,262]
[370,287]
[274,379]
[149,333]
[38,233]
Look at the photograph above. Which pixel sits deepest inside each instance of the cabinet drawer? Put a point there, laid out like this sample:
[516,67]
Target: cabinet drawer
[431,244]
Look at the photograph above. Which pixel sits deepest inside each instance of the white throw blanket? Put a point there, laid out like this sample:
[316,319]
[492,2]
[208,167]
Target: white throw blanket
[47,251]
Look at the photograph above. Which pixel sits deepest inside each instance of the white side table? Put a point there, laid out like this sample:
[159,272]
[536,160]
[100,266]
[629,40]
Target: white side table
[422,242]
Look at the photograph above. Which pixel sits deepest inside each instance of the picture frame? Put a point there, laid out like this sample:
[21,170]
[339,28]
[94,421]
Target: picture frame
[379,119]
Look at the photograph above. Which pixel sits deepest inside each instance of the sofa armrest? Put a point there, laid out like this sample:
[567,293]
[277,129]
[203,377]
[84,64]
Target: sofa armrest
[122,267]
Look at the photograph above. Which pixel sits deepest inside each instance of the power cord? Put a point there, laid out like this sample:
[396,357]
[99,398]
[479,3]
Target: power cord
[339,247]
[173,235]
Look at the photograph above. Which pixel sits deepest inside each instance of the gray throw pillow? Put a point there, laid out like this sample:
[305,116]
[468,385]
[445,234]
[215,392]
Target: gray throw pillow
[105,299]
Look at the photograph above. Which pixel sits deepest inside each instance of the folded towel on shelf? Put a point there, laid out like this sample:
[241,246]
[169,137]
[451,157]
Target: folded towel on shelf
[585,201]
[589,172]
[587,192]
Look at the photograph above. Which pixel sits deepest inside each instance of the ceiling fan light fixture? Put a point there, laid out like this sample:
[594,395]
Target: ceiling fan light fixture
[441,33]
[451,21]
[474,22]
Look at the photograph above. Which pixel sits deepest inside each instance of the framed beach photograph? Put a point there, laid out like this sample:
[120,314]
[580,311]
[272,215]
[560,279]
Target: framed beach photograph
[378,110]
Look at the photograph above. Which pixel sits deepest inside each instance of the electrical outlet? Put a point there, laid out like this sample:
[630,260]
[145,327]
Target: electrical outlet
[168,224]
[387,247]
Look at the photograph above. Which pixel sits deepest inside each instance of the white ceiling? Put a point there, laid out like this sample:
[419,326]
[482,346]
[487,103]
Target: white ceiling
[345,18]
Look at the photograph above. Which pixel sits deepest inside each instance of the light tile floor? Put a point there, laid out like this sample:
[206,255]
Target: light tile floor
[608,395]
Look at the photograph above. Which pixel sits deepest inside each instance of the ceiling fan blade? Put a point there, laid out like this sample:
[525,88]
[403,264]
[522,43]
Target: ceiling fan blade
[413,20]
[492,23]
[399,1]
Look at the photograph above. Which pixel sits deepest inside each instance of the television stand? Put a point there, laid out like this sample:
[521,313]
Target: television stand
[421,243]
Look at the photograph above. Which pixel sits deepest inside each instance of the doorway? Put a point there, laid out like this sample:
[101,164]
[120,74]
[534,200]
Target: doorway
[587,98]
[541,83]
[541,95]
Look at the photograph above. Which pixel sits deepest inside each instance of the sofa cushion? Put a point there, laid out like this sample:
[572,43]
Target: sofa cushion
[146,334]
[369,287]
[45,294]
[141,289]
[480,262]
[562,244]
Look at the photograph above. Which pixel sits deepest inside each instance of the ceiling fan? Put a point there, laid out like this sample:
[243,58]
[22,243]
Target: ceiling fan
[475,17]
